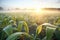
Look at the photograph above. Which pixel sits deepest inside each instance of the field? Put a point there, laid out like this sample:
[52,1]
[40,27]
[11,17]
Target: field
[29,26]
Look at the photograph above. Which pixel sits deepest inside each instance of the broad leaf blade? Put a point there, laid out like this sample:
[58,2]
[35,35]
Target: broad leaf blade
[18,34]
[8,30]
[39,29]
[26,27]
[57,33]
[20,24]
[49,32]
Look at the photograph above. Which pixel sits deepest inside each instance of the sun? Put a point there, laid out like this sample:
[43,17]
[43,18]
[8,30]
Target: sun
[38,10]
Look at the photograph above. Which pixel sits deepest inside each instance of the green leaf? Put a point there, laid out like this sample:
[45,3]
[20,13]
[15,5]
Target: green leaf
[57,33]
[20,25]
[44,38]
[8,30]
[50,29]
[18,34]
[26,27]
[49,32]
[39,29]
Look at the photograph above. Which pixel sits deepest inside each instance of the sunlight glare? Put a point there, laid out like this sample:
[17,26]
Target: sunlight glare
[38,10]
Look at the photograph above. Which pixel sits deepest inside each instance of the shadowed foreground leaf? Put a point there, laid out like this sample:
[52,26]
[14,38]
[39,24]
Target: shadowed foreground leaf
[49,32]
[18,34]
[57,33]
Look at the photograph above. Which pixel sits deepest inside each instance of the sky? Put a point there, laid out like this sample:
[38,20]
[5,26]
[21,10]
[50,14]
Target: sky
[30,3]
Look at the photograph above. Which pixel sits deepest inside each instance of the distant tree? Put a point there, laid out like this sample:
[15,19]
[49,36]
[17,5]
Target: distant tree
[1,8]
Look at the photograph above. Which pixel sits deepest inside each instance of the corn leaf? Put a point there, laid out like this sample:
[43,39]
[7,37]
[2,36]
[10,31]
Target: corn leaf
[57,33]
[18,34]
[49,32]
[26,27]
[8,30]
[44,38]
[20,25]
[39,29]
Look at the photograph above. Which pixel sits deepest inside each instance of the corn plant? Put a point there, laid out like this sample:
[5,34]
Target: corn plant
[10,29]
[49,31]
